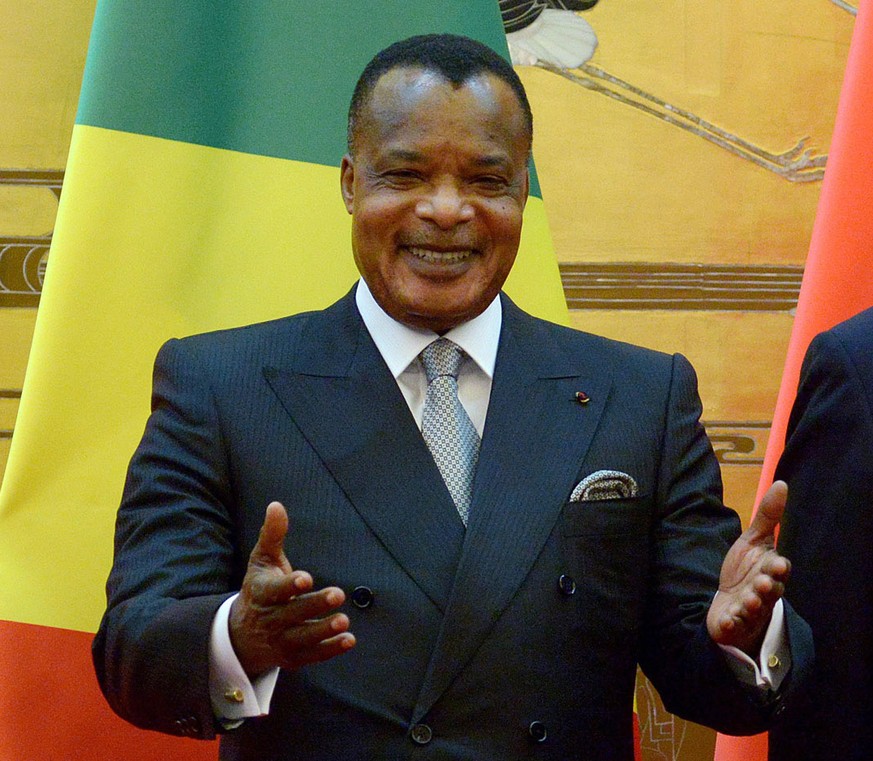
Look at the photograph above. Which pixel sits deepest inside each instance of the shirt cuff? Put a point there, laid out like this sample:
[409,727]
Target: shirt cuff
[774,662]
[234,696]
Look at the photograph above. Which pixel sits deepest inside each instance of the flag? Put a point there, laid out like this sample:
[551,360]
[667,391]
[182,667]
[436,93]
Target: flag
[201,192]
[838,278]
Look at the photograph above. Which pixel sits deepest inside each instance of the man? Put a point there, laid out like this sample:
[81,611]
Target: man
[828,464]
[501,594]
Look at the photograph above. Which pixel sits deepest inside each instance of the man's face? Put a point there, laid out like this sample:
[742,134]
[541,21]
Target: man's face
[436,190]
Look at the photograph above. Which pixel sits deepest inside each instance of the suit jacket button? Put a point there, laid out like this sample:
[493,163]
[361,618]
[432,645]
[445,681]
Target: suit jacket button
[537,731]
[421,734]
[566,585]
[186,726]
[362,597]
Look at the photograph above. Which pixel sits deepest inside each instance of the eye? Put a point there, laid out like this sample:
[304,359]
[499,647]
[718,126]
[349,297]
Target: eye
[490,183]
[400,178]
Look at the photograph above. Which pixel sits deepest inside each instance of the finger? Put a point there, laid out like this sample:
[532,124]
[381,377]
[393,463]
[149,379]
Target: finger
[322,651]
[310,633]
[269,549]
[770,511]
[751,606]
[315,605]
[776,566]
[266,589]
[725,624]
[768,588]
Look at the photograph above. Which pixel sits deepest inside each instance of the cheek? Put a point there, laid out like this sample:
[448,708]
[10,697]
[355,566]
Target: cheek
[506,225]
[372,225]
[377,222]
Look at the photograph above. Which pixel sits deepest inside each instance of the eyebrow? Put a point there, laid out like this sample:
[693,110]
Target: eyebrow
[403,154]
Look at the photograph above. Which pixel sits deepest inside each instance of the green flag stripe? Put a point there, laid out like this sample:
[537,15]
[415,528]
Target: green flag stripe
[186,69]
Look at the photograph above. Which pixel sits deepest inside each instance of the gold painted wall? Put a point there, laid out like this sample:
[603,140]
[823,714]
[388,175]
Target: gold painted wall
[42,53]
[663,150]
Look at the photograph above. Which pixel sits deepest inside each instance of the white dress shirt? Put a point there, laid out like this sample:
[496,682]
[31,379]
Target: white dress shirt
[235,697]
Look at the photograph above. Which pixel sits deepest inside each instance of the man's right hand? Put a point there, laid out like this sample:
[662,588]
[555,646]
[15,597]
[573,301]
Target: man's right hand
[278,620]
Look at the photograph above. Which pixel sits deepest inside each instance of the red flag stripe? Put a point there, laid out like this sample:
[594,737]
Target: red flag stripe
[31,659]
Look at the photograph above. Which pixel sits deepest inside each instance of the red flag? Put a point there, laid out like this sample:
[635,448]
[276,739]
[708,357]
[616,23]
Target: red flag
[838,278]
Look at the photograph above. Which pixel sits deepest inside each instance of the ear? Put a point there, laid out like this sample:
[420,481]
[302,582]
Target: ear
[347,182]
[526,187]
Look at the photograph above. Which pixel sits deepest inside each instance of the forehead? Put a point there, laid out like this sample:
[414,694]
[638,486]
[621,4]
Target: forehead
[416,101]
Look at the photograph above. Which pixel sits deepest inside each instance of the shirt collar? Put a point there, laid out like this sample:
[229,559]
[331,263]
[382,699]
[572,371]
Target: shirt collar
[400,344]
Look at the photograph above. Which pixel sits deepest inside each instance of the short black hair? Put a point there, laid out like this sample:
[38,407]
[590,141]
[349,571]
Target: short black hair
[454,57]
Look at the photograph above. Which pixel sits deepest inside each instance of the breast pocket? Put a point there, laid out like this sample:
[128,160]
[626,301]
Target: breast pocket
[606,544]
[607,517]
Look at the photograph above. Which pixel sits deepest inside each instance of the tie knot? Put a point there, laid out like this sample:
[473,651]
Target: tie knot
[442,357]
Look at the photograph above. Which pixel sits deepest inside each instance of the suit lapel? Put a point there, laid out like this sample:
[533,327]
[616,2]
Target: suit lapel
[535,439]
[344,400]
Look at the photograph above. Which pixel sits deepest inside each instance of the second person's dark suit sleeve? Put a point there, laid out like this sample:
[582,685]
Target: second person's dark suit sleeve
[828,465]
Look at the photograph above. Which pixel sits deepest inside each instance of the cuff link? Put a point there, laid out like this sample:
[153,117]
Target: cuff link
[234,695]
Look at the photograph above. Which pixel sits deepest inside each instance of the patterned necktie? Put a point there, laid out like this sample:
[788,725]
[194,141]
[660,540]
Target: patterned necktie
[445,425]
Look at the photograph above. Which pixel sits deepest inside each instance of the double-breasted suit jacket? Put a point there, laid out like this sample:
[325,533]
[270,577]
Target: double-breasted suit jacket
[518,637]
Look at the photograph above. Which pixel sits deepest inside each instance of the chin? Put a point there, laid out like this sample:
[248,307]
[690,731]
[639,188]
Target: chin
[440,322]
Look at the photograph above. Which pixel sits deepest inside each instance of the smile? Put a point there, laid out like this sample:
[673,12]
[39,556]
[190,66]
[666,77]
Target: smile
[440,257]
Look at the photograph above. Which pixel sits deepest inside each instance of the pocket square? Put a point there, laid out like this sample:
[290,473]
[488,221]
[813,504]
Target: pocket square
[604,484]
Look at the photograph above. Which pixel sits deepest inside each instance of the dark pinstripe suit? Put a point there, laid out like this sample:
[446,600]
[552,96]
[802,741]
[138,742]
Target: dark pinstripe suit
[469,632]
[828,464]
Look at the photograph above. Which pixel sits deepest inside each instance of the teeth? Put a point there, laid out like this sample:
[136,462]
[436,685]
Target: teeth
[439,257]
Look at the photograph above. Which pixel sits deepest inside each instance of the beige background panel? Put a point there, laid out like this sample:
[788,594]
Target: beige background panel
[43,44]
[26,210]
[620,185]
[623,185]
[738,356]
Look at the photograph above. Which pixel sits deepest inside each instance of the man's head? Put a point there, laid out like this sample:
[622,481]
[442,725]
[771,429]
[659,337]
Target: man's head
[456,58]
[436,177]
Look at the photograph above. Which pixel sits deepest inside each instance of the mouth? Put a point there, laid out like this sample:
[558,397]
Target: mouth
[432,256]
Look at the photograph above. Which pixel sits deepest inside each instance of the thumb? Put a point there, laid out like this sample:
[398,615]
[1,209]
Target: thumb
[770,510]
[269,549]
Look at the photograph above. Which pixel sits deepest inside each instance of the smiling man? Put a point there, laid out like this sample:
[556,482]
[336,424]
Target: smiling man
[512,515]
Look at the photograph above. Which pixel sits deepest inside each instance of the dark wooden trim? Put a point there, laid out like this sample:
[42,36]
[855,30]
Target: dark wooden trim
[738,442]
[694,287]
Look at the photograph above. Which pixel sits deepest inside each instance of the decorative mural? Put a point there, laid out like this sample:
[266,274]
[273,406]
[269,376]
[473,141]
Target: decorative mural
[549,34]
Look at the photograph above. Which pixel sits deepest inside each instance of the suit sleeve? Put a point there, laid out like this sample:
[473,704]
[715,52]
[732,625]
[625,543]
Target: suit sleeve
[174,560]
[828,465]
[692,533]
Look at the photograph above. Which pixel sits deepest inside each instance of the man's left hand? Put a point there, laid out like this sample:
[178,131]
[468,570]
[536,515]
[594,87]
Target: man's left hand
[753,578]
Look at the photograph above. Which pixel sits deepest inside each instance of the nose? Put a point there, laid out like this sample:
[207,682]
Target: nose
[445,206]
